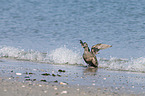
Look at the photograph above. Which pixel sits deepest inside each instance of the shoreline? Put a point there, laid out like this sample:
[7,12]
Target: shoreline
[19,78]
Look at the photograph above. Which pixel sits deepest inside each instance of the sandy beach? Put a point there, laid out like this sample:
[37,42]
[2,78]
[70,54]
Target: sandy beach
[22,78]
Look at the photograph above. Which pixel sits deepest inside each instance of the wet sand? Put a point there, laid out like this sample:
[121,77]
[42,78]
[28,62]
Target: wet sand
[22,78]
[39,89]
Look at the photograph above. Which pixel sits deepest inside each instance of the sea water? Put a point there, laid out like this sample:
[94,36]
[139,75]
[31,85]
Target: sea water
[48,31]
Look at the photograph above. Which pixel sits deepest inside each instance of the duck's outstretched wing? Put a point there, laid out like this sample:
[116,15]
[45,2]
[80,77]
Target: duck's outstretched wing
[98,47]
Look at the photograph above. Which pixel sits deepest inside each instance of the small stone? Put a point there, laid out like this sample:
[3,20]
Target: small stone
[58,75]
[63,83]
[5,90]
[43,80]
[55,81]
[34,69]
[99,89]
[40,85]
[34,80]
[42,70]
[45,74]
[23,86]
[53,75]
[55,88]
[132,86]
[93,84]
[18,73]
[104,78]
[64,92]
[31,73]
[45,91]
[61,70]
[27,79]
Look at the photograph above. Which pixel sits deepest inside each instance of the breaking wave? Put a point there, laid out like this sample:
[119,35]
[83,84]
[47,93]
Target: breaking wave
[123,64]
[61,55]
[64,55]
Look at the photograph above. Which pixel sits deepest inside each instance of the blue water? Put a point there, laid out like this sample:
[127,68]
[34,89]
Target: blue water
[49,31]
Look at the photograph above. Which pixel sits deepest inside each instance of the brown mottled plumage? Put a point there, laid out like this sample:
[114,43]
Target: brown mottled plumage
[90,57]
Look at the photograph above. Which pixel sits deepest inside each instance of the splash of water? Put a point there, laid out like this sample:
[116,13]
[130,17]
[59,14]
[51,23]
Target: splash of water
[64,55]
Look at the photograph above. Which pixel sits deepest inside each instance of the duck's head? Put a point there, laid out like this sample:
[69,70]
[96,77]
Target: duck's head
[85,45]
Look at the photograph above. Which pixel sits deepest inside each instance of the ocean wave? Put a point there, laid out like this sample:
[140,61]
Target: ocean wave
[61,55]
[123,64]
[64,55]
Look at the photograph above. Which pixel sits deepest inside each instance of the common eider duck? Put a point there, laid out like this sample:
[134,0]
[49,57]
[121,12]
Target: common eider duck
[90,57]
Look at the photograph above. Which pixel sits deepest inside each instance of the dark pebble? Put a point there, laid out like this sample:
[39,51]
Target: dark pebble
[58,75]
[56,81]
[29,73]
[34,80]
[27,79]
[43,80]
[61,70]
[45,74]
[53,75]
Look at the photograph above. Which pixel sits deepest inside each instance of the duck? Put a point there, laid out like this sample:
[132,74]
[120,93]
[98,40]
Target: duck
[90,56]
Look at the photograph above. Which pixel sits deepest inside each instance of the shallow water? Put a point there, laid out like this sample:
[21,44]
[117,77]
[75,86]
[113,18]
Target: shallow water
[46,31]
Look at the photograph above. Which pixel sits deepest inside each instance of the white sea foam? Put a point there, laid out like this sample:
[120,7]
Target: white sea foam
[61,55]
[64,55]
[15,53]
[132,64]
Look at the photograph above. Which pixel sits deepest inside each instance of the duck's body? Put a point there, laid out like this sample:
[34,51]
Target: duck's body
[90,56]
